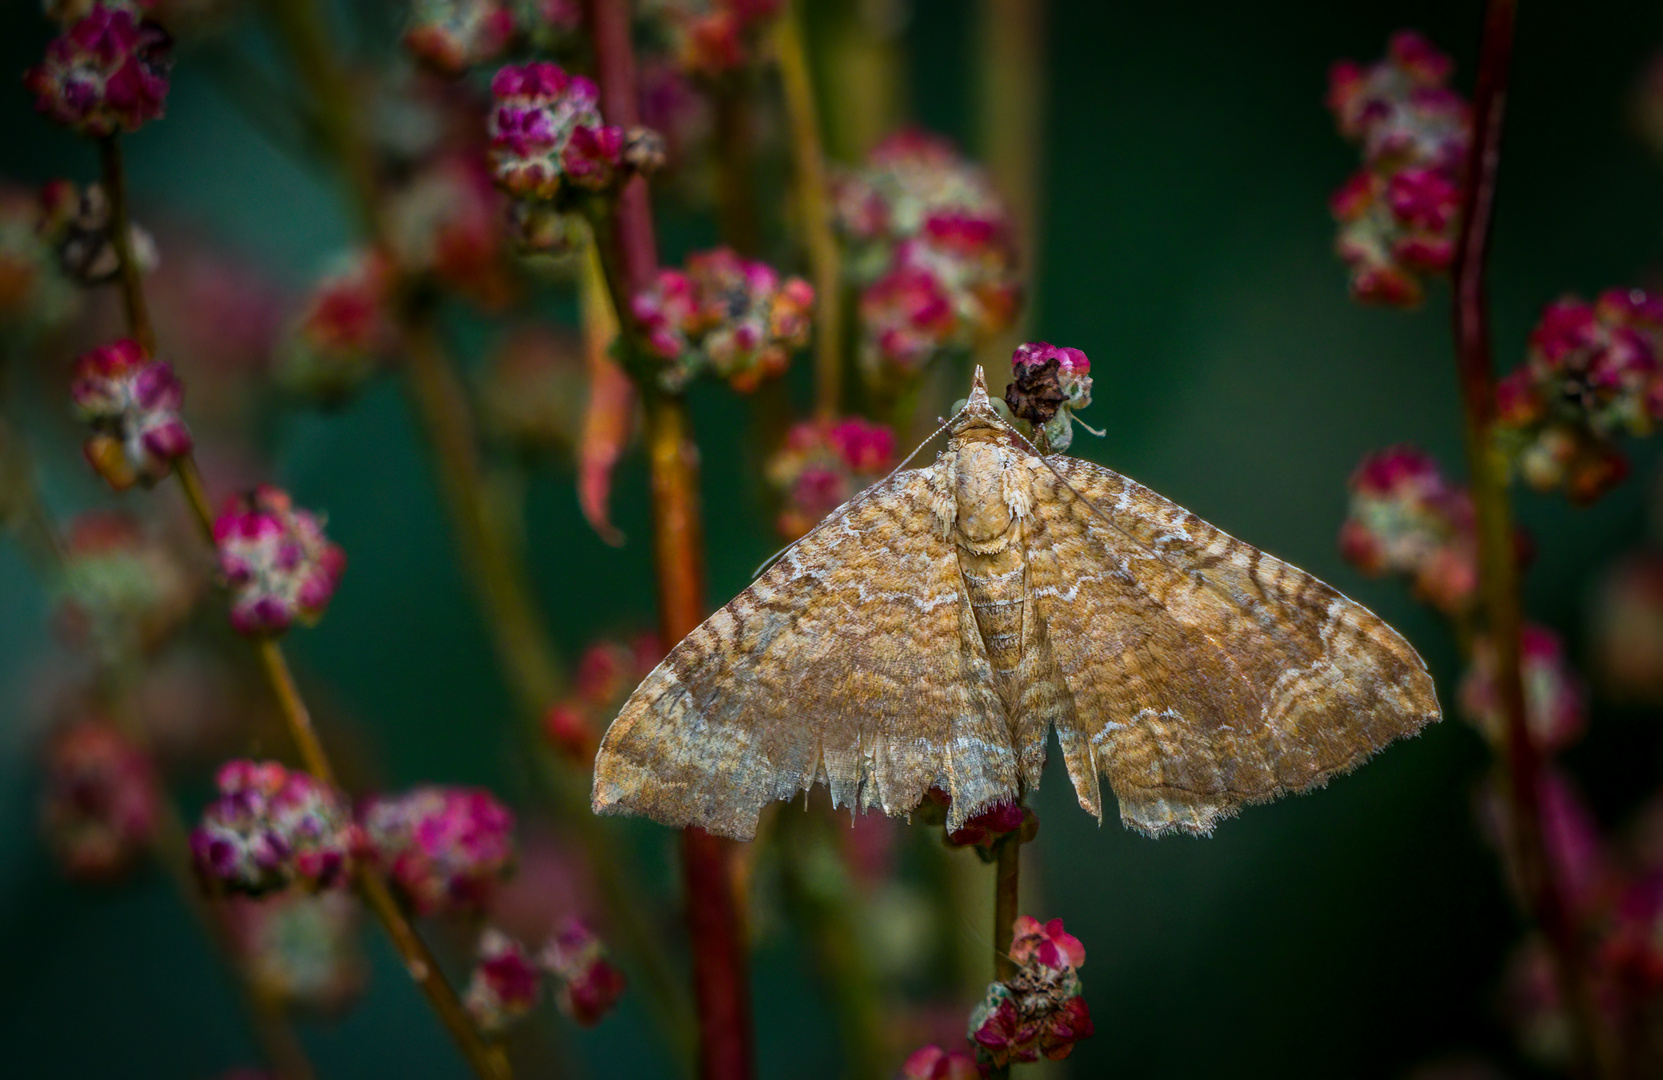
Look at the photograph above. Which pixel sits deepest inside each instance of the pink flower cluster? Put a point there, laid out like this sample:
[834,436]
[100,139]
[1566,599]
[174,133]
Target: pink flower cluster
[546,131]
[453,35]
[823,464]
[606,674]
[132,404]
[587,985]
[933,1063]
[1399,214]
[1556,707]
[1038,1012]
[1592,371]
[505,983]
[730,315]
[272,828]
[1048,386]
[507,979]
[930,243]
[343,332]
[1406,519]
[990,826]
[445,847]
[105,73]
[276,561]
[713,37]
[100,801]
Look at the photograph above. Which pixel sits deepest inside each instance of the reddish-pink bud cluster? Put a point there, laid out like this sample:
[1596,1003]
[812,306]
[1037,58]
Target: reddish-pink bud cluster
[1049,384]
[823,464]
[505,983]
[453,35]
[712,37]
[726,314]
[276,561]
[132,403]
[1592,372]
[273,827]
[535,122]
[587,985]
[1556,707]
[1405,518]
[1399,215]
[507,980]
[446,848]
[100,801]
[930,242]
[606,673]
[987,828]
[105,73]
[1039,1011]
[933,1063]
[343,332]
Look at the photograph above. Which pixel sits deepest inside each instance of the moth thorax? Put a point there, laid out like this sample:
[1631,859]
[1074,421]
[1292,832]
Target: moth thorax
[979,488]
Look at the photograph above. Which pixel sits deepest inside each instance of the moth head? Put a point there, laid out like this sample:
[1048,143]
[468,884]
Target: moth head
[978,412]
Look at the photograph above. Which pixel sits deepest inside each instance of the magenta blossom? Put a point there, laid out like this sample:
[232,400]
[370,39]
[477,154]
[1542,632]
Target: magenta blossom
[538,111]
[1556,708]
[446,848]
[588,985]
[453,35]
[132,404]
[106,73]
[505,984]
[1048,386]
[823,464]
[732,316]
[933,1063]
[276,561]
[1038,1012]
[273,827]
[100,801]
[1405,518]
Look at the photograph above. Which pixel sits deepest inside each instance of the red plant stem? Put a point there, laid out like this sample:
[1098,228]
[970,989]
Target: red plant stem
[1007,890]
[1498,557]
[131,276]
[630,251]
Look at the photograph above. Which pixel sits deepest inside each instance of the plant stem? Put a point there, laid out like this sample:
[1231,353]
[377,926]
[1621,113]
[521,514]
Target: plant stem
[808,158]
[1498,564]
[629,250]
[121,236]
[735,187]
[488,1061]
[1007,885]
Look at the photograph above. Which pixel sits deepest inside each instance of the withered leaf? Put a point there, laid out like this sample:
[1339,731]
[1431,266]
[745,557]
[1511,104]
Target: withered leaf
[934,629]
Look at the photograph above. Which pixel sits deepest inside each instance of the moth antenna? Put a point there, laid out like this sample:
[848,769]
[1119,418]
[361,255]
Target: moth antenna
[1110,522]
[781,553]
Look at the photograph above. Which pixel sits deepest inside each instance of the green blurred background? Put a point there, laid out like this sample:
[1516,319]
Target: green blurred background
[1186,247]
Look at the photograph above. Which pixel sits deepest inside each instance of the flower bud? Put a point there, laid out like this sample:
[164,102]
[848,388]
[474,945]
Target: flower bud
[587,983]
[825,463]
[100,801]
[105,73]
[505,983]
[451,36]
[445,848]
[539,111]
[1049,385]
[272,828]
[1038,1011]
[132,403]
[276,561]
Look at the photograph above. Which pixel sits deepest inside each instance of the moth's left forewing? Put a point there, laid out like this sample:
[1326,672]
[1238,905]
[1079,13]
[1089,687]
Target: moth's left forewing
[1206,674]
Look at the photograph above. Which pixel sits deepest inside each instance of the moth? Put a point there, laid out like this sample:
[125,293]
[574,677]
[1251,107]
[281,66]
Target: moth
[934,630]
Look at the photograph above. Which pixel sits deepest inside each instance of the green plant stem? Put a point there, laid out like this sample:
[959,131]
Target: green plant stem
[1596,1052]
[488,1061]
[808,160]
